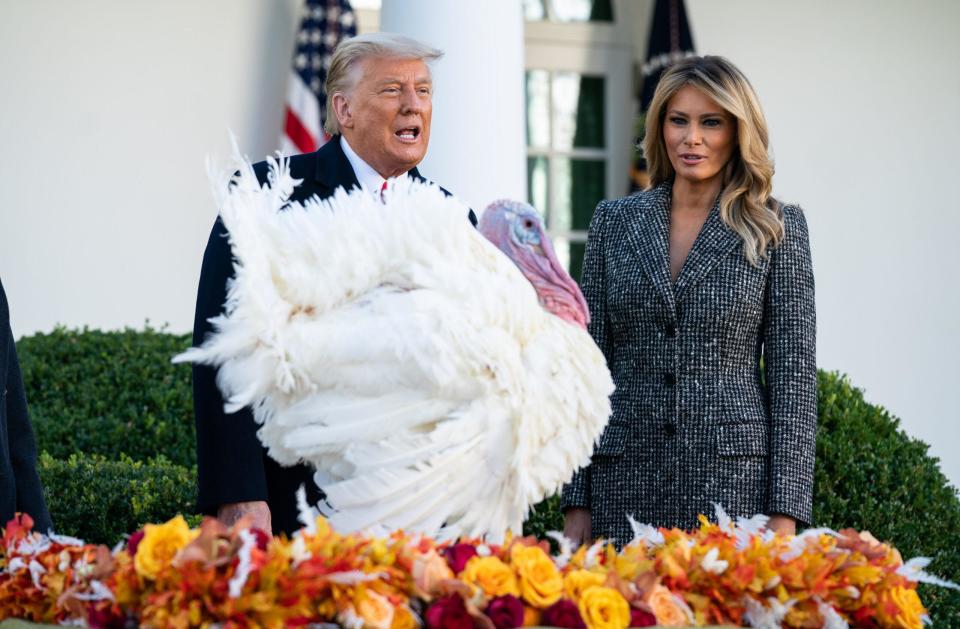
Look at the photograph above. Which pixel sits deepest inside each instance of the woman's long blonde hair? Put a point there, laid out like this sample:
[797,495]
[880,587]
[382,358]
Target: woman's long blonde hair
[746,204]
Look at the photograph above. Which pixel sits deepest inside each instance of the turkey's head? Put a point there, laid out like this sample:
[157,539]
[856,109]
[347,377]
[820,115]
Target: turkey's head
[517,230]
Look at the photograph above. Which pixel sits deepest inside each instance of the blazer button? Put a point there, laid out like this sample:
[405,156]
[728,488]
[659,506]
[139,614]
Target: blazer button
[671,330]
[669,378]
[670,428]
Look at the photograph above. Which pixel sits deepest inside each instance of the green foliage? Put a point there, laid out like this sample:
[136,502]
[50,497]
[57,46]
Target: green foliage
[101,500]
[869,476]
[109,393]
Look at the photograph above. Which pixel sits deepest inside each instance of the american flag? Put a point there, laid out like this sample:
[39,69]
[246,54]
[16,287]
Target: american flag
[323,24]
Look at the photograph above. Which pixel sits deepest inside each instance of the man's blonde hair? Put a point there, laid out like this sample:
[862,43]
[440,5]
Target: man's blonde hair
[351,52]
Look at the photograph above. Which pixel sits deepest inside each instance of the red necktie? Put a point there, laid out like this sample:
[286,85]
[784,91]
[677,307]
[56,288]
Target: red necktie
[383,190]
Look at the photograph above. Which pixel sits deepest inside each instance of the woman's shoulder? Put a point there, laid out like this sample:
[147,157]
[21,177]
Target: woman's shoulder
[794,219]
[640,201]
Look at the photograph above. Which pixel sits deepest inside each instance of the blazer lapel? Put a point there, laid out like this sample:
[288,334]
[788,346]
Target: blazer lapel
[648,233]
[713,243]
[333,168]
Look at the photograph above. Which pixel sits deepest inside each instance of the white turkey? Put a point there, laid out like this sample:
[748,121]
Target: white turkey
[435,385]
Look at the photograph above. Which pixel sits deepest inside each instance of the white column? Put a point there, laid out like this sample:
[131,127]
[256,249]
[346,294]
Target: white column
[477,142]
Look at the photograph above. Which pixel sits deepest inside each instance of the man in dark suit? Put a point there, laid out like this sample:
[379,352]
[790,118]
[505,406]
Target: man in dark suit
[20,489]
[379,108]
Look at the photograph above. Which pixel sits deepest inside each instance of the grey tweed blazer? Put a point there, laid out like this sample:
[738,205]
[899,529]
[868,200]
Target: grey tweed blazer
[692,422]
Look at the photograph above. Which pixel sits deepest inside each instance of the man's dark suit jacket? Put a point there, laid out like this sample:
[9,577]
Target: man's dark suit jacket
[232,465]
[20,488]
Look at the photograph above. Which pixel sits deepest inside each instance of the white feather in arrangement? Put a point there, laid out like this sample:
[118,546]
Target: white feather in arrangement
[436,384]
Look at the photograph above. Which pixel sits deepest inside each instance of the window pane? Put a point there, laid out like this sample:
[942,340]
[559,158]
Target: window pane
[582,10]
[538,108]
[575,266]
[588,185]
[578,106]
[533,10]
[561,212]
[537,183]
[578,185]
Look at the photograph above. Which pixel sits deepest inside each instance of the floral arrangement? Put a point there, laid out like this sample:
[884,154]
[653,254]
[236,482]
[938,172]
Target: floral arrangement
[169,575]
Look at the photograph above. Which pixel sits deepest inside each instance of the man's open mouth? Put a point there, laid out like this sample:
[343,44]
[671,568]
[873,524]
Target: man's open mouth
[408,133]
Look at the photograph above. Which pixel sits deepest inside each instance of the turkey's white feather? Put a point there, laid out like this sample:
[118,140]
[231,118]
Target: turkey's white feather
[395,349]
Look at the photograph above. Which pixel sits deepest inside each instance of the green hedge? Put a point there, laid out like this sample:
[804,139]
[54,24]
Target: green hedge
[871,476]
[109,393]
[100,500]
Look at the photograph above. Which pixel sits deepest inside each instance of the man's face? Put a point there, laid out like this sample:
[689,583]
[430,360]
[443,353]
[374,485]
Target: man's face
[386,116]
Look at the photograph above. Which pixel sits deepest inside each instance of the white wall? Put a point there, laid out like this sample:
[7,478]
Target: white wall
[863,98]
[108,111]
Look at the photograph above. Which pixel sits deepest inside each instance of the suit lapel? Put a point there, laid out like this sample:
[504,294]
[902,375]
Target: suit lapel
[333,169]
[648,232]
[713,243]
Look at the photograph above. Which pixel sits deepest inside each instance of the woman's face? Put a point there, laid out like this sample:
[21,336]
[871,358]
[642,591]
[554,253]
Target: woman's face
[700,136]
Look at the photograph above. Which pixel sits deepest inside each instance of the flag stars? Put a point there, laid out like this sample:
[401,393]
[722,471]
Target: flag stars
[346,20]
[317,13]
[333,13]
[315,36]
[315,85]
[316,62]
[303,37]
[330,39]
[300,61]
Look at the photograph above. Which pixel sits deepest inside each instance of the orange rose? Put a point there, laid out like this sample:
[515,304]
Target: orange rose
[491,575]
[604,608]
[669,610]
[374,609]
[428,570]
[579,580]
[541,584]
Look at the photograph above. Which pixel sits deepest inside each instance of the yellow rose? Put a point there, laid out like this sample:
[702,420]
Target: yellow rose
[541,584]
[604,608]
[909,609]
[670,611]
[374,609]
[403,618]
[579,580]
[491,575]
[160,543]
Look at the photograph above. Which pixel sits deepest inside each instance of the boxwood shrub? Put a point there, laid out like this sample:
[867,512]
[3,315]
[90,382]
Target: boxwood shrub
[109,393]
[100,500]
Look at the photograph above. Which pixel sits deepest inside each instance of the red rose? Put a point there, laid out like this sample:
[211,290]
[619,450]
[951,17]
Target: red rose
[640,618]
[506,612]
[448,613]
[263,538]
[133,541]
[563,613]
[458,555]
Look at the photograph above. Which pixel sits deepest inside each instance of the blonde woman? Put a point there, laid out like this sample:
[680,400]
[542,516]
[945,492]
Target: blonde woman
[690,285]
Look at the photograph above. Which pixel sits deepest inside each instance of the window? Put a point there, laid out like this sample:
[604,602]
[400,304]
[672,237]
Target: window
[579,112]
[568,10]
[567,155]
